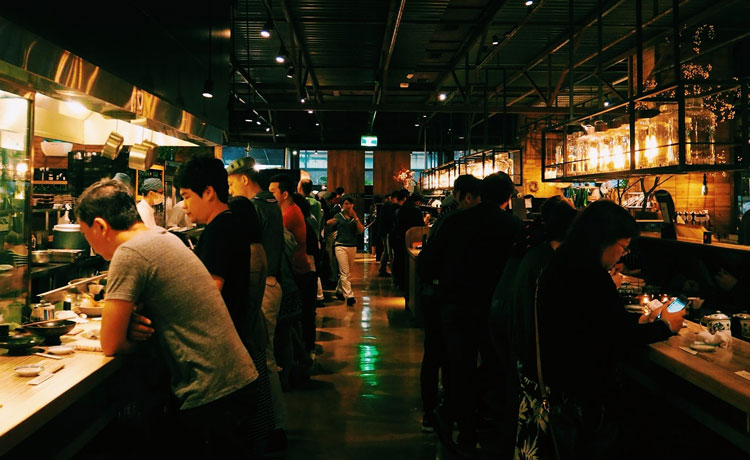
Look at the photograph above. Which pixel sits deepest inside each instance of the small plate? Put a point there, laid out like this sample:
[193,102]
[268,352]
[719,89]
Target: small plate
[28,370]
[703,346]
[60,350]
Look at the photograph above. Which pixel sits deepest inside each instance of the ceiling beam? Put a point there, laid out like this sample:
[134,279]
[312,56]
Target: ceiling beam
[476,32]
[386,53]
[300,44]
[409,108]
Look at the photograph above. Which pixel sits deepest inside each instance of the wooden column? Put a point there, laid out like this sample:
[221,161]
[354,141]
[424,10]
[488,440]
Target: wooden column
[346,168]
[385,164]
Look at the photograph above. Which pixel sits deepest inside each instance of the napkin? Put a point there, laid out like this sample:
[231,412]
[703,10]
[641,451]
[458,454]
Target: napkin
[720,338]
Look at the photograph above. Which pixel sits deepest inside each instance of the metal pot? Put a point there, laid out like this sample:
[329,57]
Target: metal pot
[113,145]
[40,257]
[717,322]
[741,325]
[68,236]
[142,156]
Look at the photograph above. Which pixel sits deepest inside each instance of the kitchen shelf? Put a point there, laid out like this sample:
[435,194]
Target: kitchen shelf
[50,182]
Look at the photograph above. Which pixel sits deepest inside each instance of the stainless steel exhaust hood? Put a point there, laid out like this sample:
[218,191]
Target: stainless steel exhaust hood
[32,63]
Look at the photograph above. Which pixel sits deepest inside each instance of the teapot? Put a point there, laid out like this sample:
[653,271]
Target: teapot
[716,322]
[741,325]
[44,311]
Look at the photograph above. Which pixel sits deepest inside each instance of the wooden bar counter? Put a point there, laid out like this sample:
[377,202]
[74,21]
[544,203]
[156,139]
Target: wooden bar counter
[26,408]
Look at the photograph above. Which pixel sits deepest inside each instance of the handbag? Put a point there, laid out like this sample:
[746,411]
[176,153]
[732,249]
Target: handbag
[577,430]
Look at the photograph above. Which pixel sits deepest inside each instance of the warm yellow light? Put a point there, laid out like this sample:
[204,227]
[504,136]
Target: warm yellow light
[619,154]
[651,149]
[22,168]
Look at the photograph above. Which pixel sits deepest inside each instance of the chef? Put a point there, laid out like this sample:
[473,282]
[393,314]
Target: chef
[153,194]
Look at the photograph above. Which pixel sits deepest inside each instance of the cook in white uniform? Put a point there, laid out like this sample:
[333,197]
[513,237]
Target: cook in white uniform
[153,194]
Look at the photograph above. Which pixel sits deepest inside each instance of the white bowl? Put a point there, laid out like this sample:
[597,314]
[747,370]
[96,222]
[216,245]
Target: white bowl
[91,311]
[60,350]
[56,149]
[28,370]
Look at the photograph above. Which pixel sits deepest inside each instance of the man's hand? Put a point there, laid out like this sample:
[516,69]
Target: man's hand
[673,320]
[139,329]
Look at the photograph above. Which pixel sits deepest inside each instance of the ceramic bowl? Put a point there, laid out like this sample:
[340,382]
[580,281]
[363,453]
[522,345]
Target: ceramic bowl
[28,370]
[51,330]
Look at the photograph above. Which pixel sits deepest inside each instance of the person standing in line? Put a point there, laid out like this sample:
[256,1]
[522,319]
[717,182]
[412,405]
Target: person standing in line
[244,181]
[409,215]
[153,194]
[386,213]
[213,375]
[305,188]
[304,274]
[348,226]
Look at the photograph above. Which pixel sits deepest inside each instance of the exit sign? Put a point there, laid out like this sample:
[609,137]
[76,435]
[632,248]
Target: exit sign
[369,141]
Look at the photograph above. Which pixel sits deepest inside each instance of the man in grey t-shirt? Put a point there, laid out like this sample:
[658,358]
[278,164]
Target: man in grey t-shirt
[153,272]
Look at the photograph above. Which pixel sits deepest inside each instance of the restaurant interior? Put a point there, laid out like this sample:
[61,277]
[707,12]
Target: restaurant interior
[619,100]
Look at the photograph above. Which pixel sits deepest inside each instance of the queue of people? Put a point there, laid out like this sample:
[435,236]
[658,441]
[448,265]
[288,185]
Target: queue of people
[229,319]
[492,297]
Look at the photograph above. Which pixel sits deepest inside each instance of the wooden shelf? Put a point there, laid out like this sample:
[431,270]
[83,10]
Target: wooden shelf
[50,182]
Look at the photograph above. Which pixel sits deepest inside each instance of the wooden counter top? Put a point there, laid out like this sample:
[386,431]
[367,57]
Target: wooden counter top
[25,408]
[713,372]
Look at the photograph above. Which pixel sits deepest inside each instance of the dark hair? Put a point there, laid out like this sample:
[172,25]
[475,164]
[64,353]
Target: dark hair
[14,238]
[557,215]
[302,202]
[331,196]
[466,183]
[340,190]
[112,201]
[200,173]
[402,194]
[598,226]
[496,188]
[285,183]
[349,199]
[306,185]
[414,198]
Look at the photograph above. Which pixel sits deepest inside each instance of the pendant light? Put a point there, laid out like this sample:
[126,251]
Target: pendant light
[208,85]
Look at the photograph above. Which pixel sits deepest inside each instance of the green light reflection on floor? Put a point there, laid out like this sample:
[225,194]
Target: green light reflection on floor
[368,358]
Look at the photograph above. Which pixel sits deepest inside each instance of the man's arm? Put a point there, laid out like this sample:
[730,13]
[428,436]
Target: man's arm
[115,323]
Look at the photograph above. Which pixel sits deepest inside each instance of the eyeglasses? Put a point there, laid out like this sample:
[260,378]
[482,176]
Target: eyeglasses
[625,249]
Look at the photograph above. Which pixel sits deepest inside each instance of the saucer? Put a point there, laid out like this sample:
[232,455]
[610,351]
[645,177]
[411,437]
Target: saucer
[60,350]
[703,346]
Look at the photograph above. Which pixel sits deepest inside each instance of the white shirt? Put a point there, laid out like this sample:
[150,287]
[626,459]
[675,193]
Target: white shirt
[147,213]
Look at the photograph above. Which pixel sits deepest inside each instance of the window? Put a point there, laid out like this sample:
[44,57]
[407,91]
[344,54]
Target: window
[315,162]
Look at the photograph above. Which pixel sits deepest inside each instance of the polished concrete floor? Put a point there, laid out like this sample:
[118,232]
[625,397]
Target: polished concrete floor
[364,403]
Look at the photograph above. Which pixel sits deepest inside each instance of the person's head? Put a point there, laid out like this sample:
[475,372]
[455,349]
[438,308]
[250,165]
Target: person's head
[332,197]
[401,196]
[104,210]
[124,178]
[347,203]
[305,187]
[340,191]
[557,215]
[466,191]
[152,191]
[415,198]
[496,189]
[202,183]
[243,178]
[601,233]
[14,242]
[282,188]
[302,203]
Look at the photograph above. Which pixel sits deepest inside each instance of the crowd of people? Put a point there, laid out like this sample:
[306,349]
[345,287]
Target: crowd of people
[232,322]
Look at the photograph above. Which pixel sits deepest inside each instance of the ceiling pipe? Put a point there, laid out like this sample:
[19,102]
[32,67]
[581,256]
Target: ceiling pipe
[385,56]
[300,44]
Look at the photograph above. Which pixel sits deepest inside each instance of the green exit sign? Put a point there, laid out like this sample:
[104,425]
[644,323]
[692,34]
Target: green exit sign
[369,141]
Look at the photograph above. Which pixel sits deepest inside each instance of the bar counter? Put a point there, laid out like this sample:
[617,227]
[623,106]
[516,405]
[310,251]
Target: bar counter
[26,408]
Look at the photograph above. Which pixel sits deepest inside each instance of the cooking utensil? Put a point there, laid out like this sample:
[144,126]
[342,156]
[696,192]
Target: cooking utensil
[60,293]
[65,255]
[68,236]
[113,145]
[48,372]
[142,156]
[51,330]
[41,257]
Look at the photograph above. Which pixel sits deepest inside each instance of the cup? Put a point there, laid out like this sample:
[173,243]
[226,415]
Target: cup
[43,312]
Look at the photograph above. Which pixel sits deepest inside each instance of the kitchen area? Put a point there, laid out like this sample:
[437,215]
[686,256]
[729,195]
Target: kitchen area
[63,127]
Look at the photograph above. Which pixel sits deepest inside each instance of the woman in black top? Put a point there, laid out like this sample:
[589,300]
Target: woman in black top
[583,325]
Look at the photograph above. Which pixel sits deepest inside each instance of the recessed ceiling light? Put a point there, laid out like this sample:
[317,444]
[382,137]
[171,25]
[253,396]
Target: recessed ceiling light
[257,122]
[268,129]
[404,84]
[317,124]
[409,76]
[442,96]
[416,124]
[606,103]
[310,111]
[529,2]
[302,100]
[294,152]
[495,40]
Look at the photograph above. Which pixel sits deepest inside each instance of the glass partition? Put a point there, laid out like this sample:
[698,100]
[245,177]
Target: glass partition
[15,232]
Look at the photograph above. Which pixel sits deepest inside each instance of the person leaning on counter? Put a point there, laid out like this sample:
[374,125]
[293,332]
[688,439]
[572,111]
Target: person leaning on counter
[212,374]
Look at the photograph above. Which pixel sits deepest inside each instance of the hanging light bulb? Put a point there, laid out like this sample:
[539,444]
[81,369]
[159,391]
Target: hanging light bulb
[265,31]
[208,89]
[281,55]
[442,96]
[606,103]
[290,72]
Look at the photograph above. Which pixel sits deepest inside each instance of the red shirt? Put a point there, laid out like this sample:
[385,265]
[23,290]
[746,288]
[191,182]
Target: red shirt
[294,221]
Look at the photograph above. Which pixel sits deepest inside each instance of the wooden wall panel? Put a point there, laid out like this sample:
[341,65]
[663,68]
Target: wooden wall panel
[686,193]
[346,168]
[385,164]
